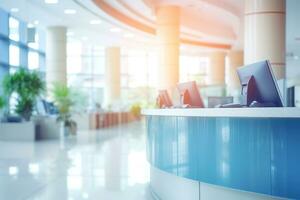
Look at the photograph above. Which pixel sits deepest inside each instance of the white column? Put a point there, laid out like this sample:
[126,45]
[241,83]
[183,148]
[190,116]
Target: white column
[216,69]
[265,33]
[56,56]
[168,24]
[112,91]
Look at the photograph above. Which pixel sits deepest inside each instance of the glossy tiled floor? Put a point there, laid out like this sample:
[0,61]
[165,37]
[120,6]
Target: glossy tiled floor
[107,164]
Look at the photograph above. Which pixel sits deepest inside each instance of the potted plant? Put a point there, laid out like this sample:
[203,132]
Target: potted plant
[135,109]
[64,100]
[27,86]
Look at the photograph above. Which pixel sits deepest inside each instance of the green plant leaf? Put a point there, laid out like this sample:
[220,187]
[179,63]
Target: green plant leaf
[28,86]
[2,102]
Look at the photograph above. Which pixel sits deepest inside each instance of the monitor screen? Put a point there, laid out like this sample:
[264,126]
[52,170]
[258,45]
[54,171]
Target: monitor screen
[189,94]
[40,107]
[266,89]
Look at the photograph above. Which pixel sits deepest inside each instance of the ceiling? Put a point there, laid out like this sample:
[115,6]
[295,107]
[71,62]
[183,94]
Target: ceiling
[217,21]
[79,27]
[207,21]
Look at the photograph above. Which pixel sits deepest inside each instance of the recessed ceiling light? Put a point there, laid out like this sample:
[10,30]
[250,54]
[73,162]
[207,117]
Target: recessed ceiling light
[70,11]
[95,22]
[36,22]
[128,35]
[14,10]
[51,1]
[182,48]
[30,25]
[13,170]
[115,30]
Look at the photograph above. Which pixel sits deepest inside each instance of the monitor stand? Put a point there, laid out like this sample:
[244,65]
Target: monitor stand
[249,96]
[185,99]
[249,91]
[256,104]
[231,105]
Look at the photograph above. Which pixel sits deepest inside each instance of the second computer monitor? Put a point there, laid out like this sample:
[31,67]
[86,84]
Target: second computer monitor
[189,94]
[259,85]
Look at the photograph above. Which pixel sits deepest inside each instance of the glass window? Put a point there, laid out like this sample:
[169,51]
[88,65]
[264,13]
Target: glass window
[14,55]
[85,69]
[193,68]
[74,59]
[98,64]
[153,69]
[33,60]
[14,29]
[124,81]
[12,70]
[139,68]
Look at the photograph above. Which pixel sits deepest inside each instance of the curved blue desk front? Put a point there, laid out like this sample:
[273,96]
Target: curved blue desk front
[255,150]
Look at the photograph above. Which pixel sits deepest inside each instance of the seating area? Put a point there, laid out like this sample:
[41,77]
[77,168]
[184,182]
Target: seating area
[109,119]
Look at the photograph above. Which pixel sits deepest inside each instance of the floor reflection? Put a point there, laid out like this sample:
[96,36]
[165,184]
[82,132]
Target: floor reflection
[105,164]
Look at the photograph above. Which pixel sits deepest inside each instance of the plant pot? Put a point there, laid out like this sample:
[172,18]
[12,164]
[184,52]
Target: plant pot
[64,130]
[1,115]
[67,131]
[27,116]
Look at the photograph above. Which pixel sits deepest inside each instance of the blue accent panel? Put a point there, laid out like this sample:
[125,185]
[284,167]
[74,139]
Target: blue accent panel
[24,57]
[4,70]
[42,40]
[252,154]
[4,56]
[42,63]
[4,22]
[5,41]
[23,32]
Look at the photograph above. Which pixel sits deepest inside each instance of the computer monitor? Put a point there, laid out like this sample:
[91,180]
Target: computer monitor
[290,96]
[164,100]
[190,95]
[259,85]
[40,107]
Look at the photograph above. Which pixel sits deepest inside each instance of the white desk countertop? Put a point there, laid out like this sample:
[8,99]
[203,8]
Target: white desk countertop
[226,112]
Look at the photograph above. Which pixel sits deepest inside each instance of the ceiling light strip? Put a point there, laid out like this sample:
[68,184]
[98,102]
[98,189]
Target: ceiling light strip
[123,18]
[147,29]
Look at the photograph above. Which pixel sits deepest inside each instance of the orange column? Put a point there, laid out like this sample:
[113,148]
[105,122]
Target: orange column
[112,89]
[265,33]
[168,24]
[235,60]
[216,69]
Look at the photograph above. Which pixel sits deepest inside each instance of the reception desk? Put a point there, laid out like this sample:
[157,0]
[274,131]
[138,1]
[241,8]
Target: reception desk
[230,153]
